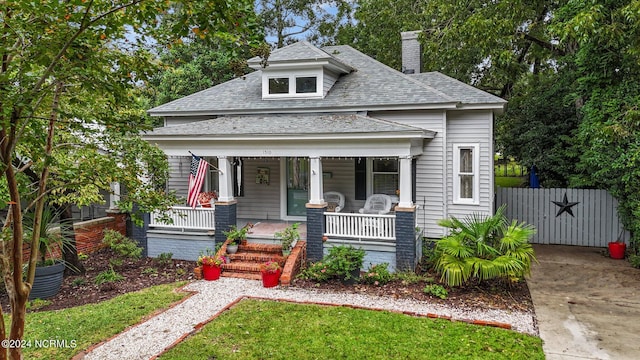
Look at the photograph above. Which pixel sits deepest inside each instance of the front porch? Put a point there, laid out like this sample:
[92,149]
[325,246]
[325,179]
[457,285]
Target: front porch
[191,231]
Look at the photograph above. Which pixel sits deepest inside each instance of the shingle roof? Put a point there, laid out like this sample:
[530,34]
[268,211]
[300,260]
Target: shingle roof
[456,89]
[287,124]
[372,86]
[301,50]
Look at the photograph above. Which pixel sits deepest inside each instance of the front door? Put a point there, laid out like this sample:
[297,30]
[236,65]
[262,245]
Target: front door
[297,176]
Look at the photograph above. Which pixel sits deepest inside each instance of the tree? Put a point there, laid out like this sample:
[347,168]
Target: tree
[69,112]
[286,20]
[377,26]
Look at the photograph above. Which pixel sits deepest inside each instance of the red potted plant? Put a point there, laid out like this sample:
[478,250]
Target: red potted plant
[617,249]
[270,272]
[205,198]
[211,266]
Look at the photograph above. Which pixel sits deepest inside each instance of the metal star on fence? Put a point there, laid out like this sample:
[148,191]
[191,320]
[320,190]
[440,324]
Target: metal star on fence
[565,206]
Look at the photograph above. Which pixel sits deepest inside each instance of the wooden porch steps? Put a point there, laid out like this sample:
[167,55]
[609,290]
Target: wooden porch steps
[246,262]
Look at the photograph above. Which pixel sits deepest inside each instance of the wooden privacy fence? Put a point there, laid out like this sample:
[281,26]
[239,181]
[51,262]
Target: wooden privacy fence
[582,217]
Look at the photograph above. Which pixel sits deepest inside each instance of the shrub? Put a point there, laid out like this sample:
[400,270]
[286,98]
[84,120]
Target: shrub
[634,260]
[484,247]
[436,290]
[377,274]
[318,272]
[340,263]
[121,244]
[107,277]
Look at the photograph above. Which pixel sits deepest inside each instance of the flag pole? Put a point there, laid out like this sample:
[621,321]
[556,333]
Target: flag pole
[208,163]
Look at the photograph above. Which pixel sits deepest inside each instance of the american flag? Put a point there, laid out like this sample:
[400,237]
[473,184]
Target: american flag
[196,178]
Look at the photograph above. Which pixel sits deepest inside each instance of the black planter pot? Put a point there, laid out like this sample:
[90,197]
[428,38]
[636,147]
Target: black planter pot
[47,282]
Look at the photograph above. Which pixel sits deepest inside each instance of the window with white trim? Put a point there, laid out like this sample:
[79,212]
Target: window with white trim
[298,84]
[384,176]
[466,176]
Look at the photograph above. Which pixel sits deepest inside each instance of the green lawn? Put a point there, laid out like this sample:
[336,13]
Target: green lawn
[510,181]
[77,328]
[256,329]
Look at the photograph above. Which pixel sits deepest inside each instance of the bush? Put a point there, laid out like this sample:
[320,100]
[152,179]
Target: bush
[436,290]
[340,263]
[483,247]
[377,274]
[121,244]
[107,277]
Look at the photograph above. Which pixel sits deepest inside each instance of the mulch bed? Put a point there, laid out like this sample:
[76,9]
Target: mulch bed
[138,274]
[488,295]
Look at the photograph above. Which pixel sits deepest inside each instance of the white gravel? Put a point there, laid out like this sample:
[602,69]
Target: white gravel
[151,337]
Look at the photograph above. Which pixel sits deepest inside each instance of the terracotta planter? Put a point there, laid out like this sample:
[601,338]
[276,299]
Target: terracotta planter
[617,250]
[270,279]
[211,272]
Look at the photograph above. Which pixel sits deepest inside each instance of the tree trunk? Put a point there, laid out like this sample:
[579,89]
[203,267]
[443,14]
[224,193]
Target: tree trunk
[69,249]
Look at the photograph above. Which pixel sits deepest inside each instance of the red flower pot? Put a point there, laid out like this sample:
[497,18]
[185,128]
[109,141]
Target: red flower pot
[617,250]
[211,272]
[270,279]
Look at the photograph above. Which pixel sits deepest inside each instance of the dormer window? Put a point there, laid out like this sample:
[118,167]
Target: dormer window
[306,85]
[279,86]
[294,83]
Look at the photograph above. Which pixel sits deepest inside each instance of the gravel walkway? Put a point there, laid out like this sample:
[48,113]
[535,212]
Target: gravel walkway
[151,337]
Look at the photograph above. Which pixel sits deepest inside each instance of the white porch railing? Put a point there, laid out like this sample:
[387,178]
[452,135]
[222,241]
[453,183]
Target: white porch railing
[360,226]
[186,218]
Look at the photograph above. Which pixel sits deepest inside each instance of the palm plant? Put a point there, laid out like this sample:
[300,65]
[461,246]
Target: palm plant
[484,247]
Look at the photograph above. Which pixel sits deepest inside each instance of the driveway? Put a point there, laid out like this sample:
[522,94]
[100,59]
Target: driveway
[587,305]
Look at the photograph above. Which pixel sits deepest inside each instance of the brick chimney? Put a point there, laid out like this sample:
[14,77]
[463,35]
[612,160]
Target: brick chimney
[411,52]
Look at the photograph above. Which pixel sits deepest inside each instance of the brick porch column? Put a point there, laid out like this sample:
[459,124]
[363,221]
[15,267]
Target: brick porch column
[406,255]
[139,233]
[225,217]
[315,230]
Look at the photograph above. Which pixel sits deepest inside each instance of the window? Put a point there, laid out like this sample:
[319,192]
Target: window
[305,85]
[466,179]
[288,84]
[384,176]
[279,86]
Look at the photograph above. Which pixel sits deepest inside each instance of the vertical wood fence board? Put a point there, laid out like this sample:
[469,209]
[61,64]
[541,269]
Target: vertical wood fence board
[595,221]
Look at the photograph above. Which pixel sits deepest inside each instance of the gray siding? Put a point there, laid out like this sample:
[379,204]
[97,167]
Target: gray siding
[343,181]
[471,127]
[329,78]
[183,246]
[430,168]
[260,201]
[179,174]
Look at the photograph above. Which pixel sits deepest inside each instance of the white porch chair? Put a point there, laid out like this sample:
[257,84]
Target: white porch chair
[377,204]
[335,199]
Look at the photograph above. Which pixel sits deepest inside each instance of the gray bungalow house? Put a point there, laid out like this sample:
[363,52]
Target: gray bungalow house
[357,152]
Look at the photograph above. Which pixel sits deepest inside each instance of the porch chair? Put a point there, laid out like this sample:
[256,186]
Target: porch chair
[377,204]
[335,200]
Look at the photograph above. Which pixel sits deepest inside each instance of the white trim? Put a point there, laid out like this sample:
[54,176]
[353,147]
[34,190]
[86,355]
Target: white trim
[475,147]
[283,193]
[292,75]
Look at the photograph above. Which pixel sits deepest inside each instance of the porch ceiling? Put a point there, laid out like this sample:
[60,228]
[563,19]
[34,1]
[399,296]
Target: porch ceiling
[291,135]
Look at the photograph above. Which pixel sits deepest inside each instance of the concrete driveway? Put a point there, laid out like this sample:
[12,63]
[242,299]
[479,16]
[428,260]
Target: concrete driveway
[587,305]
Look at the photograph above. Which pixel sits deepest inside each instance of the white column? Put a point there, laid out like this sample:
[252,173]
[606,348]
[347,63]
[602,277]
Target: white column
[225,179]
[115,195]
[406,193]
[316,190]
